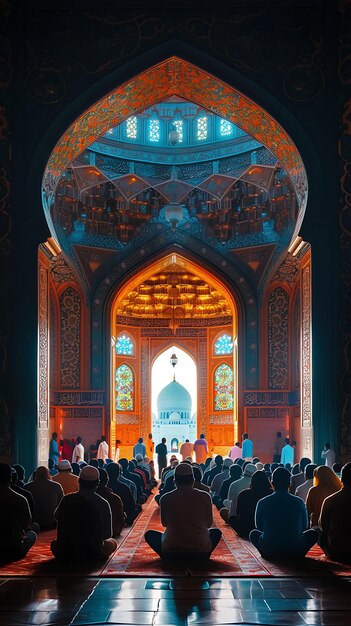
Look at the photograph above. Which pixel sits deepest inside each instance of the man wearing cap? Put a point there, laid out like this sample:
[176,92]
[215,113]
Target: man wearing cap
[235,488]
[84,522]
[186,514]
[65,477]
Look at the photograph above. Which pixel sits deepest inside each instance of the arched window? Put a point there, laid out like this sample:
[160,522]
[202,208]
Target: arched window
[178,124]
[124,388]
[225,128]
[223,345]
[154,130]
[202,128]
[132,127]
[124,345]
[224,388]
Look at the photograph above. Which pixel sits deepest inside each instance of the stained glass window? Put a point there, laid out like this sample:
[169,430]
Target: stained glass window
[223,345]
[124,388]
[154,130]
[124,345]
[224,388]
[179,126]
[225,128]
[132,127]
[202,128]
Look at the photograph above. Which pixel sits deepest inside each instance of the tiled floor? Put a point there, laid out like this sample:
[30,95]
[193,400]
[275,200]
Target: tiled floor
[175,602]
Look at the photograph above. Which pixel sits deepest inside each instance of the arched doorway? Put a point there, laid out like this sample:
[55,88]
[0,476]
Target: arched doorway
[207,333]
[231,210]
[174,397]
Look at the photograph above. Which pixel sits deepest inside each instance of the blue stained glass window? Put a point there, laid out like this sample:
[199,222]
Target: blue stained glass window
[223,388]
[124,388]
[223,345]
[202,128]
[132,127]
[179,126]
[124,345]
[225,128]
[154,130]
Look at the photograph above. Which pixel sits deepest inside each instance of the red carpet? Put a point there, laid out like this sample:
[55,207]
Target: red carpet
[232,557]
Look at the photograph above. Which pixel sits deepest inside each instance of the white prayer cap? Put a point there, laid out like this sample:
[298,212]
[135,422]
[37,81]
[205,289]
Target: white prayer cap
[89,473]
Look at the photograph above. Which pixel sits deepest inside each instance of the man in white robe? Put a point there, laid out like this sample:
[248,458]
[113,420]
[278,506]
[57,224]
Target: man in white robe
[78,452]
[102,452]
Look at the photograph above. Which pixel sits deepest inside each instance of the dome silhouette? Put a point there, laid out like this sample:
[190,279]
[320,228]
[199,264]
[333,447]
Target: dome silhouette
[174,398]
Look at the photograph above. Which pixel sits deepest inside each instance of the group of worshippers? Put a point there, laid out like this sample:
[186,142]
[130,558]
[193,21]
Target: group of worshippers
[284,512]
[89,504]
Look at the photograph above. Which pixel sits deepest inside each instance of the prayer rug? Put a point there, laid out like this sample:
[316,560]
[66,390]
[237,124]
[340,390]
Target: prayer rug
[233,557]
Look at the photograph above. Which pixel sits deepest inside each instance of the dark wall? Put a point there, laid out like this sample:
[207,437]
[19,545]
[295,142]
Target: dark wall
[59,59]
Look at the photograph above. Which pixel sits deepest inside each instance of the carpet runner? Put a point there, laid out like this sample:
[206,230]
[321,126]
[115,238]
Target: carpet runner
[233,557]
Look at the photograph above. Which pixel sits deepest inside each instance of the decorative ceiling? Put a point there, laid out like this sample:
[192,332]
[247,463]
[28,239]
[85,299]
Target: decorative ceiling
[247,195]
[174,294]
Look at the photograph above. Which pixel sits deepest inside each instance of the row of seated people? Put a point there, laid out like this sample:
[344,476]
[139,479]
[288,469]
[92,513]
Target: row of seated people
[89,505]
[309,504]
[92,508]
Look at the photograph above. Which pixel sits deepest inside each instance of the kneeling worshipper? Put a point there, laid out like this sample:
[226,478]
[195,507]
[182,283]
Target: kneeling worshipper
[281,522]
[244,520]
[335,520]
[47,495]
[186,514]
[15,537]
[66,478]
[84,523]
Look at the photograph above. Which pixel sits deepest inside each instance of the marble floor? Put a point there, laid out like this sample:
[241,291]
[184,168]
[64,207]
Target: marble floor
[175,602]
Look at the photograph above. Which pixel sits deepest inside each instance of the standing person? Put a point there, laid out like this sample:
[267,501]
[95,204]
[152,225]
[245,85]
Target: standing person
[328,455]
[139,448]
[161,451]
[117,452]
[54,452]
[201,449]
[186,449]
[102,452]
[150,447]
[287,455]
[278,446]
[78,452]
[235,452]
[186,514]
[247,448]
[282,522]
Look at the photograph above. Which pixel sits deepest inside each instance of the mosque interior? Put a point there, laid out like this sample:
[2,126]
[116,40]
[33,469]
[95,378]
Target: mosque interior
[175,179]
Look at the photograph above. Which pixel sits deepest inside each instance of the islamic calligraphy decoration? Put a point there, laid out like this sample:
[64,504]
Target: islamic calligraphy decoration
[70,320]
[278,308]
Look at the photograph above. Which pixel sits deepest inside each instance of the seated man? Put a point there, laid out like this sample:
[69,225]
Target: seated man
[115,502]
[84,522]
[302,490]
[281,522]
[15,539]
[130,507]
[335,520]
[187,515]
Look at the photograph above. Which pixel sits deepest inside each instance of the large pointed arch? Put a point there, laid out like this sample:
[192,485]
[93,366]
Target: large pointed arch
[174,76]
